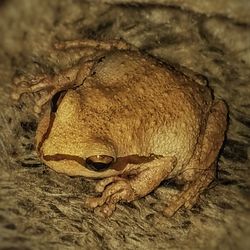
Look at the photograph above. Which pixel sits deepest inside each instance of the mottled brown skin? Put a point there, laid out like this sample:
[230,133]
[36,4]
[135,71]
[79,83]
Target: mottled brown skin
[153,121]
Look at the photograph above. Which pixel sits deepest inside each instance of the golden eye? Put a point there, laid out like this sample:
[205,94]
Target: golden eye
[99,162]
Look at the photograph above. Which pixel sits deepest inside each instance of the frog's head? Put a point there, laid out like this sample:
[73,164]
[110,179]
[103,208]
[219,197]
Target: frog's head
[72,143]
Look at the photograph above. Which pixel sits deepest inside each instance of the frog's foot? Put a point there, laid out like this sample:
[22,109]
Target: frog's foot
[117,191]
[37,83]
[201,169]
[102,184]
[47,84]
[189,196]
[50,85]
[143,180]
[89,43]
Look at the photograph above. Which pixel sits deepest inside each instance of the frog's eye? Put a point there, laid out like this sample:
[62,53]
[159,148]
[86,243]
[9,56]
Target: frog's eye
[56,100]
[99,162]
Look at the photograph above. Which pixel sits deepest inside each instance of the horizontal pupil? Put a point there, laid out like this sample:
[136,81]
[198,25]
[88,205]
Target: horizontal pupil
[97,165]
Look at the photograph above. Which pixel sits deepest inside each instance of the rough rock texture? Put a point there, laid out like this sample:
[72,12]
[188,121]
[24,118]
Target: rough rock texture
[40,209]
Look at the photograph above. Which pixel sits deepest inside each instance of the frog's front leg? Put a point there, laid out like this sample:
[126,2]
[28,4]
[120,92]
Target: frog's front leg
[66,79]
[144,179]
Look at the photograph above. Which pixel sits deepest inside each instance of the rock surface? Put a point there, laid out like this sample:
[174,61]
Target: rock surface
[40,209]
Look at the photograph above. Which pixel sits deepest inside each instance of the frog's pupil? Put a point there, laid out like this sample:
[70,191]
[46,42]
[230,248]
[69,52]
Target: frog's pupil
[97,165]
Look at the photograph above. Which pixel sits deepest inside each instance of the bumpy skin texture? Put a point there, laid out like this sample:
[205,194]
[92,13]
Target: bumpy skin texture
[155,122]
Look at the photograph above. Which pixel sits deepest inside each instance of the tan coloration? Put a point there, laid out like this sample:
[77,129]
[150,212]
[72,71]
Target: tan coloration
[155,122]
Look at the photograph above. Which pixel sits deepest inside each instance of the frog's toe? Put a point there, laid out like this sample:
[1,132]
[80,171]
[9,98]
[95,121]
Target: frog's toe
[102,184]
[191,201]
[93,202]
[21,88]
[36,84]
[183,201]
[121,190]
[169,211]
[105,210]
[127,194]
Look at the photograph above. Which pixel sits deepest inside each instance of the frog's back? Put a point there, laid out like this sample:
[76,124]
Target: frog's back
[146,106]
[147,76]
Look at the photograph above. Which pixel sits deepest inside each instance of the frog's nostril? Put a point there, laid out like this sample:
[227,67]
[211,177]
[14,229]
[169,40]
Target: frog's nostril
[99,162]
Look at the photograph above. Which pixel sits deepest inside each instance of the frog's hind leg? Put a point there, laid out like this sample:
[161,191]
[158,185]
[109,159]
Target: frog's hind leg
[96,44]
[191,192]
[201,169]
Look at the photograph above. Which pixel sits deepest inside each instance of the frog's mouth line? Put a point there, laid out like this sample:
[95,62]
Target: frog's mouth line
[119,164]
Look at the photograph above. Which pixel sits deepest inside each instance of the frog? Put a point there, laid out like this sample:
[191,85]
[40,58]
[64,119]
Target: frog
[129,121]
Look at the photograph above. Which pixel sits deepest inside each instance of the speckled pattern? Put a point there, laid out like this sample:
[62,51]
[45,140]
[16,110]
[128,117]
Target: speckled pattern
[40,209]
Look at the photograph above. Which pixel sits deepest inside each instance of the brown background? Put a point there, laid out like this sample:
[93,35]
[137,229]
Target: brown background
[40,209]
